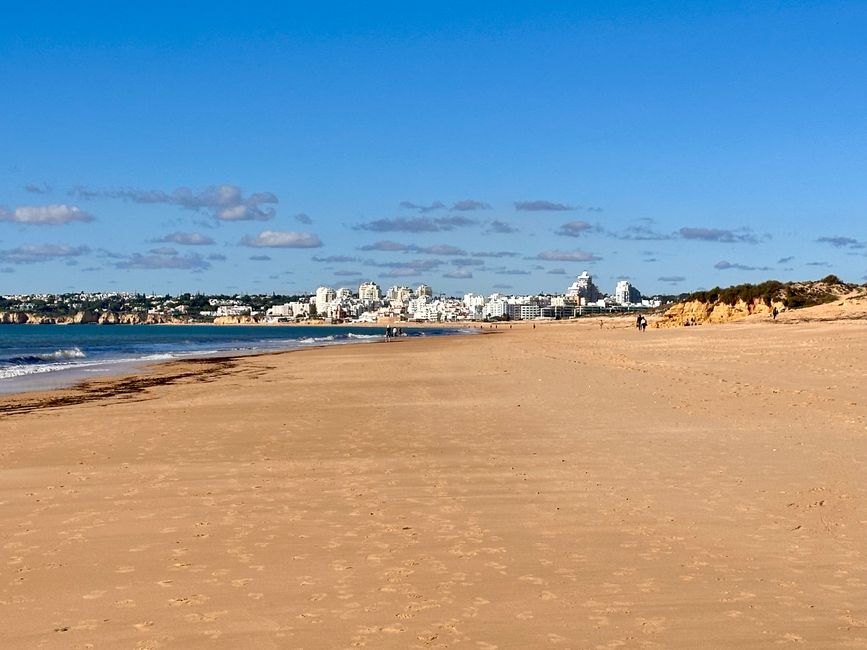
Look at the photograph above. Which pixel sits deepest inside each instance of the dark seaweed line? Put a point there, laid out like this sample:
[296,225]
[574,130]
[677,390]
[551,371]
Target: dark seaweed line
[123,387]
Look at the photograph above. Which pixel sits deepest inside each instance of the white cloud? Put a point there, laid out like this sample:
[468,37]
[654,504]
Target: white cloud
[567,256]
[186,239]
[282,239]
[34,253]
[45,215]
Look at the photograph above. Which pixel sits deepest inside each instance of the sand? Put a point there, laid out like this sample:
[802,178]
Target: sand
[563,487]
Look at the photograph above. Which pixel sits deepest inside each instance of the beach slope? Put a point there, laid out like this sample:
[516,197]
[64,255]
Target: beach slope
[567,486]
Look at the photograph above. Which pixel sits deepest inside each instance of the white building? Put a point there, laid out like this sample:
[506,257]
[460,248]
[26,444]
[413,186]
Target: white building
[324,296]
[496,307]
[626,294]
[398,294]
[343,293]
[474,304]
[423,290]
[368,291]
[583,288]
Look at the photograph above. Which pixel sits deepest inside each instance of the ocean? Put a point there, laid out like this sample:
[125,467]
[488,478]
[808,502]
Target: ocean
[41,357]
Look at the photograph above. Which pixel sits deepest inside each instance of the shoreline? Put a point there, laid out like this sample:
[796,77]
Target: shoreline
[568,486]
[49,371]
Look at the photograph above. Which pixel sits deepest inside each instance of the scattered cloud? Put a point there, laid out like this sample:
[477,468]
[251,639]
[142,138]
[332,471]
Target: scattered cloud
[640,232]
[9,269]
[416,224]
[386,245]
[396,247]
[785,260]
[334,259]
[45,215]
[33,188]
[217,257]
[164,250]
[301,217]
[724,265]
[498,227]
[402,272]
[741,236]
[260,258]
[409,205]
[224,202]
[542,206]
[282,239]
[567,256]
[841,242]
[468,205]
[35,253]
[575,228]
[441,249]
[818,264]
[671,279]
[416,265]
[155,261]
[557,271]
[347,274]
[459,274]
[468,261]
[494,254]
[186,239]
[502,286]
[513,272]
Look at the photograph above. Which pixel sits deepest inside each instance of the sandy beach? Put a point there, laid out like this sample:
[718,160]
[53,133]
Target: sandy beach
[565,486]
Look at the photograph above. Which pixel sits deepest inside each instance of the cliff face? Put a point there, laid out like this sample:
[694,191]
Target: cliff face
[12,317]
[103,318]
[696,312]
[235,320]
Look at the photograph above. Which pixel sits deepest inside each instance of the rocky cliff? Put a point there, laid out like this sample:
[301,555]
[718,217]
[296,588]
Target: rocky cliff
[85,317]
[698,312]
[742,301]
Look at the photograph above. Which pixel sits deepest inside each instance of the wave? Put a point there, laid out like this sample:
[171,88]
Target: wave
[352,335]
[57,355]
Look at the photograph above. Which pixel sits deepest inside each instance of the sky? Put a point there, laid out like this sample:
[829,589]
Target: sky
[488,146]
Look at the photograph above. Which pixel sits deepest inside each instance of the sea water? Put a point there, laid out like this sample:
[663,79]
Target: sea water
[38,357]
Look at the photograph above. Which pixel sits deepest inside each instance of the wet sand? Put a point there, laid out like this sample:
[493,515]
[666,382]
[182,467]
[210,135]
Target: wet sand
[565,486]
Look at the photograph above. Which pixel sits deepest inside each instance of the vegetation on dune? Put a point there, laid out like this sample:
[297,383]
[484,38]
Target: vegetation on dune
[793,295]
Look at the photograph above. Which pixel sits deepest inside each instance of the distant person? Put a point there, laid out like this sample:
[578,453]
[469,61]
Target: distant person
[642,323]
[387,334]
[638,321]
[774,313]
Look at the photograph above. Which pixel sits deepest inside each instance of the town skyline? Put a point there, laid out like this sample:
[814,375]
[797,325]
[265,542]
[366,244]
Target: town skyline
[492,148]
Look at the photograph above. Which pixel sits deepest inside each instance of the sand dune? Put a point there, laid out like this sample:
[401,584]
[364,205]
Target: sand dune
[565,486]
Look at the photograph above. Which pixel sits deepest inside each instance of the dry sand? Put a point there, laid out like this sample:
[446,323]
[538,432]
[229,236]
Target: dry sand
[564,487]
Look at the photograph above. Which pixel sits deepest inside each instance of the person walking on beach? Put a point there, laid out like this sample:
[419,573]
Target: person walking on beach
[387,334]
[774,313]
[642,323]
[638,322]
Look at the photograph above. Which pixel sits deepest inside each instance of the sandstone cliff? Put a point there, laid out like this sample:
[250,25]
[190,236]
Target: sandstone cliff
[697,312]
[759,301]
[236,320]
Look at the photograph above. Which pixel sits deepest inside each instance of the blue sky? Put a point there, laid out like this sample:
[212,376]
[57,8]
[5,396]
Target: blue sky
[486,146]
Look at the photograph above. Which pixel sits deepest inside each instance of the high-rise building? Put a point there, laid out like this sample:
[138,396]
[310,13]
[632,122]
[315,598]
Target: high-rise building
[343,293]
[423,290]
[324,296]
[398,294]
[368,291]
[583,287]
[626,294]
